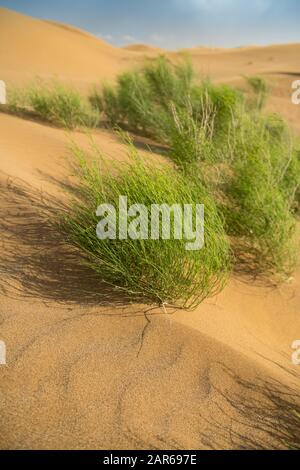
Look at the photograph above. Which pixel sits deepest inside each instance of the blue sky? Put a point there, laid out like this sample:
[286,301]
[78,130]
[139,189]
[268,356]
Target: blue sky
[175,23]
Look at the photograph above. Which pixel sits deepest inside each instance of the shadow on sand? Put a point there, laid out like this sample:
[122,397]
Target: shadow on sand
[35,258]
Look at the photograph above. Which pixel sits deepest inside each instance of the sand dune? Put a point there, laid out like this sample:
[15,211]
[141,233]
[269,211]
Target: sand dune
[30,47]
[227,64]
[82,374]
[88,378]
[94,60]
[145,49]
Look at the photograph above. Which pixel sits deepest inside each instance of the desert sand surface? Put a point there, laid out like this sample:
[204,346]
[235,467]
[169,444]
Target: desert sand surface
[84,371]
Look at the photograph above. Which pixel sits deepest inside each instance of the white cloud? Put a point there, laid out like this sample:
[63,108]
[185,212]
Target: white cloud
[128,38]
[107,37]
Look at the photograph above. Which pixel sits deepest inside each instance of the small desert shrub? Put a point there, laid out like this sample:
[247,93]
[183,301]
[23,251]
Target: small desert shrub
[271,136]
[260,217]
[285,153]
[16,99]
[218,104]
[200,129]
[161,271]
[131,104]
[56,103]
[260,90]
[189,140]
[161,100]
[95,100]
[258,208]
[169,83]
[140,101]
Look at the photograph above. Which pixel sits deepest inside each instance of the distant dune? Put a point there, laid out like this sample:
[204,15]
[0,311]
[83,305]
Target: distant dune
[30,47]
[145,49]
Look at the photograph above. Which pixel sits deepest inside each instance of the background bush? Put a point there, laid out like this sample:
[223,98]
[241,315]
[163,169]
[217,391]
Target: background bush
[54,102]
[259,195]
[142,100]
[260,91]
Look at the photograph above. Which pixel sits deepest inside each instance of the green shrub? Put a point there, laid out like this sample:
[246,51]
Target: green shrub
[95,100]
[167,82]
[161,271]
[285,157]
[16,99]
[190,141]
[220,105]
[133,104]
[258,207]
[143,101]
[260,90]
[140,101]
[55,103]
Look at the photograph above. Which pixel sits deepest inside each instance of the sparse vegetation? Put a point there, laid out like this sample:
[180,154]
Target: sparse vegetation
[142,101]
[219,141]
[260,194]
[246,162]
[259,215]
[260,91]
[160,271]
[54,102]
[220,105]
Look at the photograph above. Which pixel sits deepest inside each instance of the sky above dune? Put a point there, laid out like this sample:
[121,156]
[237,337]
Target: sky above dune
[174,23]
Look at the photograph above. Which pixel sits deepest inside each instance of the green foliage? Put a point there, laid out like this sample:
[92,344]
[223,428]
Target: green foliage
[219,104]
[190,140]
[247,163]
[55,103]
[143,101]
[260,195]
[140,102]
[95,100]
[161,271]
[168,83]
[260,90]
[285,157]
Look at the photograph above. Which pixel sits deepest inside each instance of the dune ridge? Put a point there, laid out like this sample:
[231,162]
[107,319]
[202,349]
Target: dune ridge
[29,38]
